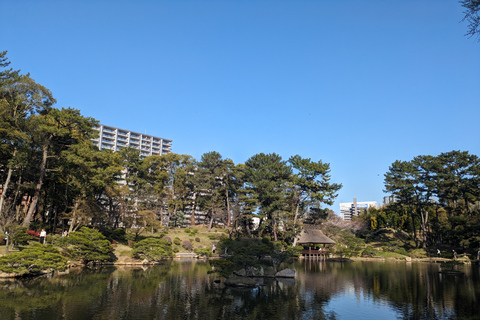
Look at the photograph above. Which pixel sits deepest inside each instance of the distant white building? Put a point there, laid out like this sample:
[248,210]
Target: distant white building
[113,138]
[390,199]
[351,209]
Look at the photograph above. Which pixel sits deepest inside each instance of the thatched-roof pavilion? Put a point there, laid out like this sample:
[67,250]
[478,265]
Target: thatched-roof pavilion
[310,235]
[313,236]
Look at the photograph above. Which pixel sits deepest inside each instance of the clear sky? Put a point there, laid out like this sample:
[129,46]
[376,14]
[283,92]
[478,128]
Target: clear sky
[357,84]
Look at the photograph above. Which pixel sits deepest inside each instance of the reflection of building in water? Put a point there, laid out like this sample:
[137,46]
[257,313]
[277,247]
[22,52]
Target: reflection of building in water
[352,209]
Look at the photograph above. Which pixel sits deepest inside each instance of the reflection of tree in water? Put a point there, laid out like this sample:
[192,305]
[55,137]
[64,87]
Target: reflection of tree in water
[184,290]
[414,290]
[44,295]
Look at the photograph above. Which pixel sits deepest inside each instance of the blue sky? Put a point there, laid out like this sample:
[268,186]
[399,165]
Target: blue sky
[357,84]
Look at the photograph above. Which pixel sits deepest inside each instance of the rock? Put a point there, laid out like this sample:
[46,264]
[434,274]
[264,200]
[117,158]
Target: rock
[285,273]
[269,272]
[240,282]
[256,272]
[241,273]
[250,272]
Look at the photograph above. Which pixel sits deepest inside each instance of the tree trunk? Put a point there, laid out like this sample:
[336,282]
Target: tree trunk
[229,216]
[7,182]
[33,204]
[192,217]
[210,225]
[74,214]
[412,214]
[424,226]
[274,230]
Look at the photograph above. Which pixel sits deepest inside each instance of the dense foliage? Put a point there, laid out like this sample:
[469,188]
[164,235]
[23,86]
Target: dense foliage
[152,249]
[53,177]
[33,259]
[249,253]
[86,244]
[437,195]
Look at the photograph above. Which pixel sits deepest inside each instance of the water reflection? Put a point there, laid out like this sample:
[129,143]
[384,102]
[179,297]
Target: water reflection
[184,290]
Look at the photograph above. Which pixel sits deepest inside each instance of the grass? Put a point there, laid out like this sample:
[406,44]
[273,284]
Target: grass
[202,234]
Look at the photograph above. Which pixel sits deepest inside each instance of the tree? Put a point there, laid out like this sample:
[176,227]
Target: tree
[414,183]
[21,100]
[88,174]
[215,177]
[472,16]
[267,175]
[170,176]
[459,177]
[311,186]
[56,131]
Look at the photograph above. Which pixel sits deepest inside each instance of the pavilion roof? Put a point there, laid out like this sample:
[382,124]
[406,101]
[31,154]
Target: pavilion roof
[310,235]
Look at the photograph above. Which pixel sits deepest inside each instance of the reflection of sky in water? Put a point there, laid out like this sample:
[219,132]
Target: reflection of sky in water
[349,305]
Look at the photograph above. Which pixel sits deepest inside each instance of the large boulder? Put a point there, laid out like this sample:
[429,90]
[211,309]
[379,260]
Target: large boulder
[285,273]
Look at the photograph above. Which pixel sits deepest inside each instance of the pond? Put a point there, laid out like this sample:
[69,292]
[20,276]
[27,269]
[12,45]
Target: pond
[185,290]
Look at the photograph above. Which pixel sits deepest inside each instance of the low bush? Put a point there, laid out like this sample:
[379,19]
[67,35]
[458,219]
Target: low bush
[418,253]
[186,244]
[117,234]
[167,238]
[369,252]
[204,252]
[33,259]
[217,236]
[197,239]
[34,233]
[152,249]
[401,251]
[177,241]
[86,244]
[18,235]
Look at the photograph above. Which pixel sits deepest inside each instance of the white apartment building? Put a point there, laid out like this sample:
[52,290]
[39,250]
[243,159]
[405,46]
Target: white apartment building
[351,209]
[113,138]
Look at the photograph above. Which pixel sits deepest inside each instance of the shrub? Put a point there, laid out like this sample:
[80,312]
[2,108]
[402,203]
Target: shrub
[418,253]
[175,250]
[186,244]
[33,233]
[129,236]
[177,241]
[167,238]
[197,239]
[205,252]
[187,230]
[19,235]
[111,234]
[33,259]
[392,246]
[193,232]
[217,236]
[369,252]
[87,244]
[401,251]
[152,249]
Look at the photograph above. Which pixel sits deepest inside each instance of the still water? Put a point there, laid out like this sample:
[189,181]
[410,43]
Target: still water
[185,290]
